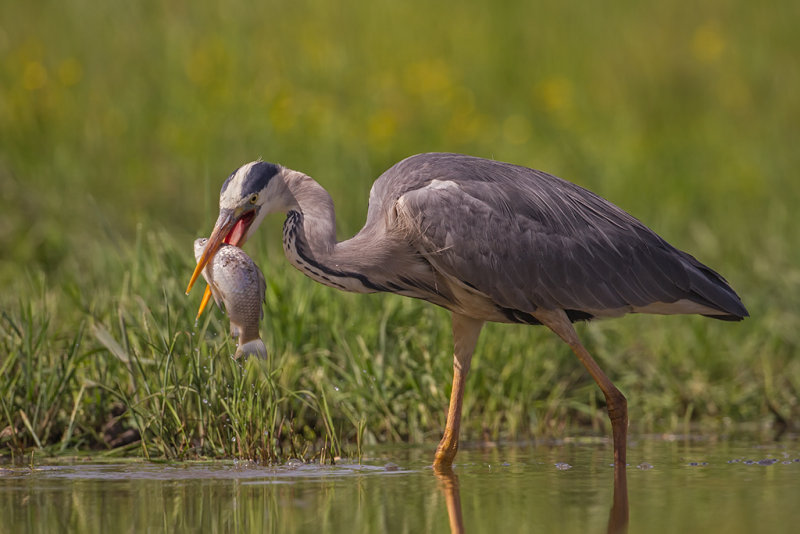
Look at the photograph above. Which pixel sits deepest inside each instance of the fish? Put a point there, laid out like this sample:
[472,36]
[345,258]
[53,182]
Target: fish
[238,287]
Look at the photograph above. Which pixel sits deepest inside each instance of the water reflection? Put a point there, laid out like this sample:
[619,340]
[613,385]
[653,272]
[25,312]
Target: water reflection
[448,482]
[617,517]
[674,486]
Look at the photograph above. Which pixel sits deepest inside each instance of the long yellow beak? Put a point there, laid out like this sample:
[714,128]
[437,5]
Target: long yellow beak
[204,302]
[224,225]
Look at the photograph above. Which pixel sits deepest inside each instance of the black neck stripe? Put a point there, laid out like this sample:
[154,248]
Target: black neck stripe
[291,224]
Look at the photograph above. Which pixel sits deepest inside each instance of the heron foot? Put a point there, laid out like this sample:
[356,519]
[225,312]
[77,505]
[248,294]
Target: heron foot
[445,454]
[618,414]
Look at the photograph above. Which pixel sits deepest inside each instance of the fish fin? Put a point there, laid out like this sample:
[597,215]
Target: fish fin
[255,347]
[215,292]
[262,289]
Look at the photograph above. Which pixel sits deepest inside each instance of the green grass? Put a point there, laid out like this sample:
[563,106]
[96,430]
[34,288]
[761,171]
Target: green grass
[118,123]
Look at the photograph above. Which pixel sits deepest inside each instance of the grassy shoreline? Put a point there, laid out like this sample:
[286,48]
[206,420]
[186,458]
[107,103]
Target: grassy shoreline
[344,370]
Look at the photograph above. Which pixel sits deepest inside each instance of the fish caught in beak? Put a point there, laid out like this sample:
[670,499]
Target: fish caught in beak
[238,288]
[230,228]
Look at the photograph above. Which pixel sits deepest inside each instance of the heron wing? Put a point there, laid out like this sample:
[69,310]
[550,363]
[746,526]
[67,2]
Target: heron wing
[527,239]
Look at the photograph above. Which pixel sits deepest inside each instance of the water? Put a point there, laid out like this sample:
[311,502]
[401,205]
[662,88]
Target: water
[679,486]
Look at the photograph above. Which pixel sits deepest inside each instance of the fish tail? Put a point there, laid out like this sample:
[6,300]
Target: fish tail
[255,347]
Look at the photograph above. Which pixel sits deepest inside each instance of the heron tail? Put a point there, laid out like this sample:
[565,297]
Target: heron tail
[254,347]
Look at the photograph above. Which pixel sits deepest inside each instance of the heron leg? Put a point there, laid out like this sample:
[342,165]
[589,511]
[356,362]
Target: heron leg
[465,336]
[557,321]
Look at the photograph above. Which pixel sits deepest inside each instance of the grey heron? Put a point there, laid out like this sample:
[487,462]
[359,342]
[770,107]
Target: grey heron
[487,240]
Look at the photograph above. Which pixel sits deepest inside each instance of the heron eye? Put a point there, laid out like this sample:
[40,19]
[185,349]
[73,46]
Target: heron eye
[253,198]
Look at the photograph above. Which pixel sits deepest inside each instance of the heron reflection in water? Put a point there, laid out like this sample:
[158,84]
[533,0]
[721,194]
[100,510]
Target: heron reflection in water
[618,516]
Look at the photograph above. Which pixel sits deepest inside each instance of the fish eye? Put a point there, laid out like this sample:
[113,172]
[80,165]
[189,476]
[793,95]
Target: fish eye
[253,198]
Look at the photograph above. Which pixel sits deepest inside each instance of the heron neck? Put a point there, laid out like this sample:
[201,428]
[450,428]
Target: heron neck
[315,205]
[309,241]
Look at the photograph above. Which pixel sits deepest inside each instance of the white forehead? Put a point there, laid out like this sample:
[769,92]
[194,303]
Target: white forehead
[232,190]
[251,178]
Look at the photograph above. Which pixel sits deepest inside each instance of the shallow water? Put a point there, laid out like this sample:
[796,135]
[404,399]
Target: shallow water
[679,486]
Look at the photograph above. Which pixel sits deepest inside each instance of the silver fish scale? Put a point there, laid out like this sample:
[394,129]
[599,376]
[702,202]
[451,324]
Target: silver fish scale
[238,285]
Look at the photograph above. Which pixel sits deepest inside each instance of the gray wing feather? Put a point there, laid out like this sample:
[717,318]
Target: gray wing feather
[528,239]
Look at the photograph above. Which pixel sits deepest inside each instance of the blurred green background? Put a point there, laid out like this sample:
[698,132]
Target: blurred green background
[121,119]
[121,112]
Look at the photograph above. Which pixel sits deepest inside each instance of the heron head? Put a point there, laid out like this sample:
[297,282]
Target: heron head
[244,200]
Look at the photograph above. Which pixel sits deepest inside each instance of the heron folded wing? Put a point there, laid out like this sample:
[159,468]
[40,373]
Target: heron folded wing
[529,240]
